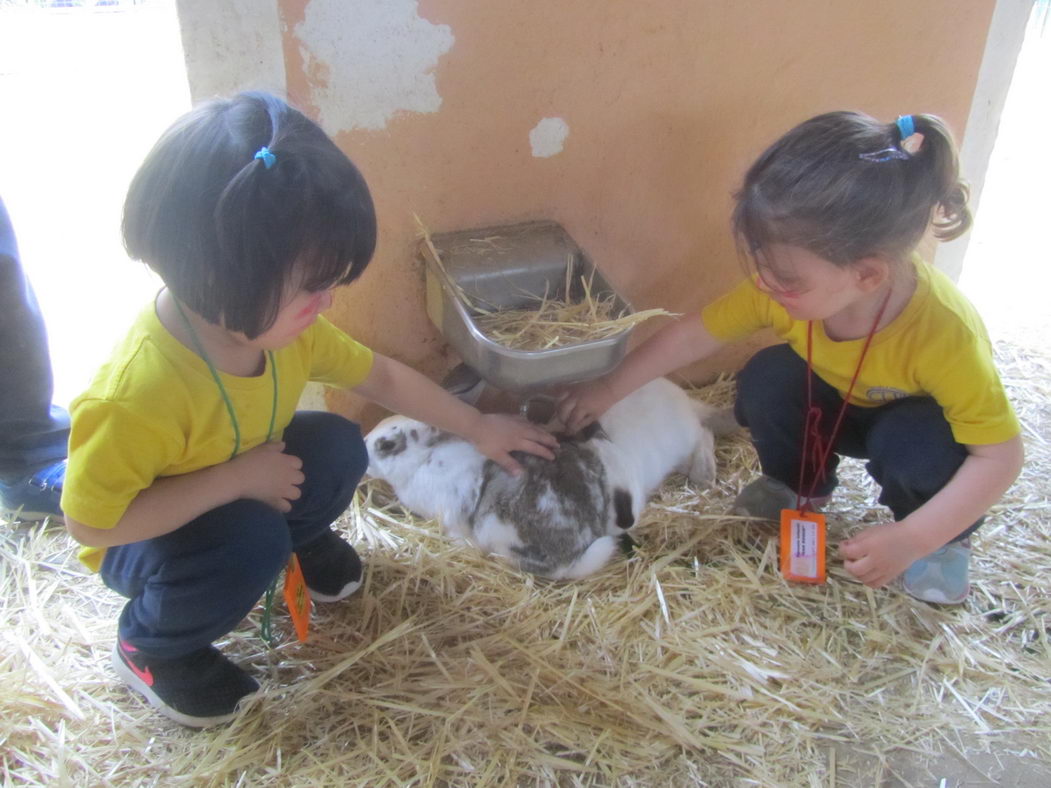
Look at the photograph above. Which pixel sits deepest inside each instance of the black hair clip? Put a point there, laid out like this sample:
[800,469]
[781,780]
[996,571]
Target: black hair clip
[884,155]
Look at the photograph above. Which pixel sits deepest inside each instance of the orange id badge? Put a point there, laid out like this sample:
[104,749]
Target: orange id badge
[297,598]
[803,546]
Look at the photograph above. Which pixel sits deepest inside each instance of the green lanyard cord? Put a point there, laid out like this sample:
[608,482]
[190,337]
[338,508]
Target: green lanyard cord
[222,389]
[265,626]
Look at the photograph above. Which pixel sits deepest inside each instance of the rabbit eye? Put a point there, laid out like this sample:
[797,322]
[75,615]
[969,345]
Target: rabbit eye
[390,447]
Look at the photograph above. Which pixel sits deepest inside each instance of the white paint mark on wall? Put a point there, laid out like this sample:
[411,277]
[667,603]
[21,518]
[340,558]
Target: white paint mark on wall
[548,137]
[377,57]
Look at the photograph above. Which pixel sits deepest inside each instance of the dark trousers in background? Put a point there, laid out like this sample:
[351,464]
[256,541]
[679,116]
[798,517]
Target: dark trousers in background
[908,443]
[33,432]
[195,584]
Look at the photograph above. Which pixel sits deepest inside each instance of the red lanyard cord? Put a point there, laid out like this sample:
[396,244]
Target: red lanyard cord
[819,450]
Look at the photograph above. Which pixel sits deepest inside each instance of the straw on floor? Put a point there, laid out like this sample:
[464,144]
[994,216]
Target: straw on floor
[690,663]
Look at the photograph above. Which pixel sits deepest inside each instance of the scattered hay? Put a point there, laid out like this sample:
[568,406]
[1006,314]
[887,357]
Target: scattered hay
[550,322]
[555,323]
[691,663]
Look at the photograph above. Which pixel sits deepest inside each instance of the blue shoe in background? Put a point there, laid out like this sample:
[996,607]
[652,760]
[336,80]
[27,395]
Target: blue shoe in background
[34,497]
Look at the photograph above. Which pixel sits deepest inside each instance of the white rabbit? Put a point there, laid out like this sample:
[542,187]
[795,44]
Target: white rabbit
[563,518]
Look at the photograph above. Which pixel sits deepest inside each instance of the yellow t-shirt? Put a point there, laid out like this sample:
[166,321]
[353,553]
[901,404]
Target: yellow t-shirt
[936,347]
[154,410]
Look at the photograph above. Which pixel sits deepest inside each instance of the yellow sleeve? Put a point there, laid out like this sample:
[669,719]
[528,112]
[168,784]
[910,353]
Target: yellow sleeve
[114,454]
[742,311]
[968,387]
[336,358]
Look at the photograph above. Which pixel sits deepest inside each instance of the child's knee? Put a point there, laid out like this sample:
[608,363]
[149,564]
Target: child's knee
[257,542]
[327,439]
[771,379]
[914,447]
[772,364]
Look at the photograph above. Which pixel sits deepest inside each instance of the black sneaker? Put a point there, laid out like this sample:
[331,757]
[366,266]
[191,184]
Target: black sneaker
[331,568]
[34,497]
[200,689]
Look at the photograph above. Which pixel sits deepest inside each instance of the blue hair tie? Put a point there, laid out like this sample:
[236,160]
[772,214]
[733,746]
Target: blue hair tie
[906,127]
[268,158]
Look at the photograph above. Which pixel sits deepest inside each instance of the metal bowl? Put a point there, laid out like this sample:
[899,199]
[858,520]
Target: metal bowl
[512,267]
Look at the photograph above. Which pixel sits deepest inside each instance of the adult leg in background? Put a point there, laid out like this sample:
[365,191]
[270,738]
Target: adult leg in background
[33,431]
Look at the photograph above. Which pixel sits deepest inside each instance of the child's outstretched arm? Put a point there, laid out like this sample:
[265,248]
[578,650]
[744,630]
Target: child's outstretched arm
[677,344]
[882,552]
[264,473]
[401,389]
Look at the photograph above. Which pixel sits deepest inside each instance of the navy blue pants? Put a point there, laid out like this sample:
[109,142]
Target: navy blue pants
[908,443]
[33,432]
[195,584]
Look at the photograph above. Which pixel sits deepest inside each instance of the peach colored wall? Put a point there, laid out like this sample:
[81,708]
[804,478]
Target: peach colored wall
[666,103]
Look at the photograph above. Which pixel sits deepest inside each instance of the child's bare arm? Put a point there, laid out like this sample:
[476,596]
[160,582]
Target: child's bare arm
[401,389]
[880,553]
[677,344]
[264,473]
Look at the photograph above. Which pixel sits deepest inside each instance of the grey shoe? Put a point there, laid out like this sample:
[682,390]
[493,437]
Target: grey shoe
[764,499]
[941,577]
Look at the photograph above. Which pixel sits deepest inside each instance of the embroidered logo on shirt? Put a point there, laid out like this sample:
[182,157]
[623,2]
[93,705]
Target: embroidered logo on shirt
[884,394]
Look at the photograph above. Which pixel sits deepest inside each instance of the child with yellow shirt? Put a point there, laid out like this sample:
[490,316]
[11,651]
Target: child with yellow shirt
[884,358]
[192,478]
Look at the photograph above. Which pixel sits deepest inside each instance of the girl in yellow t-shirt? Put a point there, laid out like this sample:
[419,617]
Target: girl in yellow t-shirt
[192,478]
[830,217]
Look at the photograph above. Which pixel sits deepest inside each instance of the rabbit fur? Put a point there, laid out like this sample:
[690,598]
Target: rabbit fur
[561,519]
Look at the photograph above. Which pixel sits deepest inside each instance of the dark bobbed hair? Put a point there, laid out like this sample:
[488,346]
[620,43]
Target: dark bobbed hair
[226,234]
[815,188]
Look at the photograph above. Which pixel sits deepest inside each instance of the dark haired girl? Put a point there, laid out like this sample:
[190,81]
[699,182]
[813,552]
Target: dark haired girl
[192,478]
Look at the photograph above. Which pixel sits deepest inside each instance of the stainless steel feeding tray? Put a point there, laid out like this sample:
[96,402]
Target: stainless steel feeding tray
[512,267]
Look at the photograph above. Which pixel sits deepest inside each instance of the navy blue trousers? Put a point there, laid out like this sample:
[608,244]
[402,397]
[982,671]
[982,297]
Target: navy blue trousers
[195,584]
[33,432]
[908,443]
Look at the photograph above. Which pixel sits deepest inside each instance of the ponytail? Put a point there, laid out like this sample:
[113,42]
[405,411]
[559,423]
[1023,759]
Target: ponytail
[941,165]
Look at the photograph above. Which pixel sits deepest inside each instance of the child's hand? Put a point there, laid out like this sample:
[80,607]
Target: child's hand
[497,435]
[584,403]
[267,474]
[879,553]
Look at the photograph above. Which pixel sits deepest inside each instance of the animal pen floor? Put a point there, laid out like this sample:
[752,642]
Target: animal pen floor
[691,663]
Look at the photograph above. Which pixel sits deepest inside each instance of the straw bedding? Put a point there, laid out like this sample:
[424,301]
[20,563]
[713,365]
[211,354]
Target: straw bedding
[691,663]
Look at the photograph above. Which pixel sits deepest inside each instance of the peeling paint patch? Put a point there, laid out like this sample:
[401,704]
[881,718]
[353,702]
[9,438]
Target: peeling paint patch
[548,137]
[380,56]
